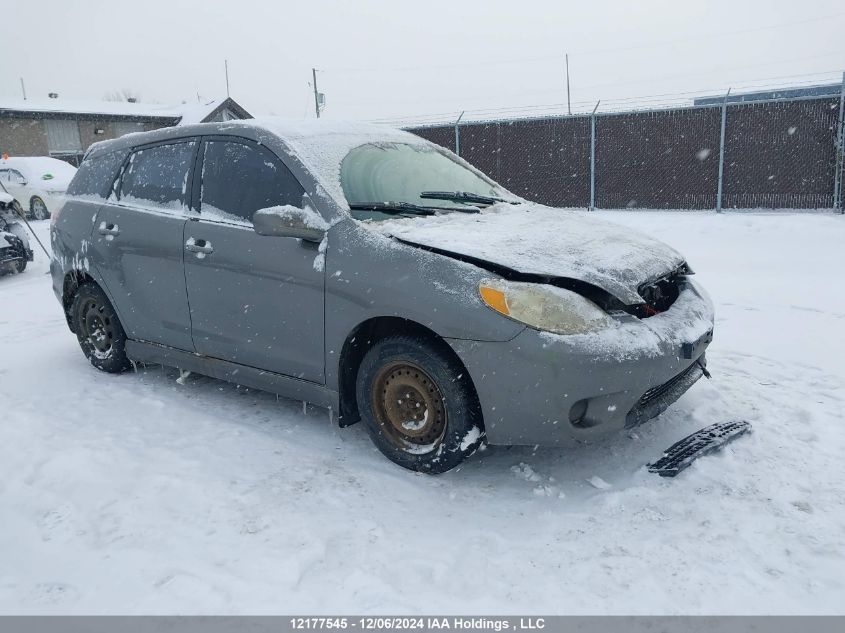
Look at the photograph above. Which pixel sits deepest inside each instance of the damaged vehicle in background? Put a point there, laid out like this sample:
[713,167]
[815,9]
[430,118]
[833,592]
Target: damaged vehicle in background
[14,242]
[371,272]
[38,182]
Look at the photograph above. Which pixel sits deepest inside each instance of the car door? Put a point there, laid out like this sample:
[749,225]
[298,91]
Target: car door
[254,300]
[18,187]
[137,244]
[4,181]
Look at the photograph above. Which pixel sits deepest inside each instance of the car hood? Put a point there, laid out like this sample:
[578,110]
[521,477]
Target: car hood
[533,239]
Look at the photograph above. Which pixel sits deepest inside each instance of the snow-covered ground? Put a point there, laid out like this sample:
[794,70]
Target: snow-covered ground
[136,494]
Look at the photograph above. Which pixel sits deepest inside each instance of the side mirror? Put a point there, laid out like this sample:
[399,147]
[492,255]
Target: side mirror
[287,221]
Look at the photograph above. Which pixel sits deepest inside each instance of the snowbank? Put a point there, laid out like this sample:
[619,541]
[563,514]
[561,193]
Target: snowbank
[207,498]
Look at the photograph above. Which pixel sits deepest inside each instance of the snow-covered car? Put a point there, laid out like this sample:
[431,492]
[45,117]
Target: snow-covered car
[14,242]
[38,182]
[371,272]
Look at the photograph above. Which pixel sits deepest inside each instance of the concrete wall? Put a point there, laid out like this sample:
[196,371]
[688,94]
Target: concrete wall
[28,137]
[23,137]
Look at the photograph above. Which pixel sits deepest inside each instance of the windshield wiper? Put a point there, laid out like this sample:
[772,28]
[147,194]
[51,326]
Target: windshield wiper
[407,207]
[463,196]
[392,208]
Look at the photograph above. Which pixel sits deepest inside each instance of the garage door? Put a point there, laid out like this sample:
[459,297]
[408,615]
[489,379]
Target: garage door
[63,136]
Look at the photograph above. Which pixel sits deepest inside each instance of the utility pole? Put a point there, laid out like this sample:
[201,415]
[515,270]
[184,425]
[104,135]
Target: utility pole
[23,89]
[568,106]
[316,97]
[226,65]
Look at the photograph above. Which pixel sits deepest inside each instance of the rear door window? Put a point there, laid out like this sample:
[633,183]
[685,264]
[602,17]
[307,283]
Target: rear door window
[239,178]
[158,176]
[96,175]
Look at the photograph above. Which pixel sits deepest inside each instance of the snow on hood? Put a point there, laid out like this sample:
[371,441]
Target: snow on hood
[534,239]
[5,198]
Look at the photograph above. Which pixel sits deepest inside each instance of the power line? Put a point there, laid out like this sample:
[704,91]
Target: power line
[559,58]
[653,100]
[651,79]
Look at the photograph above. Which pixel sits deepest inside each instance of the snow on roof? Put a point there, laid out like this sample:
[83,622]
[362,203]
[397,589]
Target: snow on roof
[195,113]
[188,113]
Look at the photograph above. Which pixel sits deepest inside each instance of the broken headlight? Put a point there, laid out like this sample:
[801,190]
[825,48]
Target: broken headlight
[543,307]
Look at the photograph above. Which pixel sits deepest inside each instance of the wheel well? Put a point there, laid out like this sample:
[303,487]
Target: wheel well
[361,340]
[73,279]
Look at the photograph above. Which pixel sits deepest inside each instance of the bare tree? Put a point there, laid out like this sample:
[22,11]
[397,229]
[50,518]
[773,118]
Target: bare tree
[126,94]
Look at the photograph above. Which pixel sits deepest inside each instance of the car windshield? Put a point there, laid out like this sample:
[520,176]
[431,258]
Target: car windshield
[394,176]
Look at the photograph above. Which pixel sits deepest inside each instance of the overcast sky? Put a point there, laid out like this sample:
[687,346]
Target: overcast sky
[384,59]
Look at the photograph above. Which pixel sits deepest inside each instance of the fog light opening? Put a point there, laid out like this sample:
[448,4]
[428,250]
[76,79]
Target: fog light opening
[577,413]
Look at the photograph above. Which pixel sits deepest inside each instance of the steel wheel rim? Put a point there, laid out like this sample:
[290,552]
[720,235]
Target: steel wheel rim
[409,407]
[97,327]
[39,209]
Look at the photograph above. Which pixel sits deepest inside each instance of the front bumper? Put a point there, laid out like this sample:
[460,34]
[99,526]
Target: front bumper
[548,389]
[10,254]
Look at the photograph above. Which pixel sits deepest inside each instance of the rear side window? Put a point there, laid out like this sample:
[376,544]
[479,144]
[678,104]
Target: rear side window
[158,176]
[96,175]
[240,179]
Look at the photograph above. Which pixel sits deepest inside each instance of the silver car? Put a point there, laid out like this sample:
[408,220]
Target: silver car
[366,270]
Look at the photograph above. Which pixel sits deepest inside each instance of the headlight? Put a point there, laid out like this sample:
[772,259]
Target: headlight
[543,307]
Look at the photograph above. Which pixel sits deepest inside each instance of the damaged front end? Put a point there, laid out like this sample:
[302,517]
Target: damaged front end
[660,294]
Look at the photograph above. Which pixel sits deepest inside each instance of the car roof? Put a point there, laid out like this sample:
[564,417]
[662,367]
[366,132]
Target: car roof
[318,144]
[284,129]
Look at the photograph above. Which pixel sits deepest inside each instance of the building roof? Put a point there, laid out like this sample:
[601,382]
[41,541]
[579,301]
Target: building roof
[821,90]
[119,110]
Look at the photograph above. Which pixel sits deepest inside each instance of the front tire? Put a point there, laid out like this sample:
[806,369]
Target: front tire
[418,405]
[98,330]
[37,209]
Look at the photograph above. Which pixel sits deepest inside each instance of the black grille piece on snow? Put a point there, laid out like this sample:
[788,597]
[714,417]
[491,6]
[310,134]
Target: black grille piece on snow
[681,454]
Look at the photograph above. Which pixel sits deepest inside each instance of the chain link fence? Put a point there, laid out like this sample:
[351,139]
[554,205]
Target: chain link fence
[760,154]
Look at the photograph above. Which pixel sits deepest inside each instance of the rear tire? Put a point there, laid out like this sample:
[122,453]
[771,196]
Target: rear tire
[418,405]
[37,209]
[98,330]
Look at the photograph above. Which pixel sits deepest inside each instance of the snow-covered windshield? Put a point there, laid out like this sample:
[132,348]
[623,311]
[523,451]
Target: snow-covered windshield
[378,173]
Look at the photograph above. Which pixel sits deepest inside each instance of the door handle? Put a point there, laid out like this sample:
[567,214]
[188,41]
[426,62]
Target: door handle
[109,230]
[200,247]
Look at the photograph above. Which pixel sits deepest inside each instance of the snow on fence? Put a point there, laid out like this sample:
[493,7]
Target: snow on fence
[781,153]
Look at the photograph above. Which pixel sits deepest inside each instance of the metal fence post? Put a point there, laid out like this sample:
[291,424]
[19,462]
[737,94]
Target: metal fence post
[593,157]
[458,134]
[722,151]
[840,153]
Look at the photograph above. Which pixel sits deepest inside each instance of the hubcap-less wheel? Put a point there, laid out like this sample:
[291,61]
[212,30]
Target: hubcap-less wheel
[98,328]
[409,407]
[39,209]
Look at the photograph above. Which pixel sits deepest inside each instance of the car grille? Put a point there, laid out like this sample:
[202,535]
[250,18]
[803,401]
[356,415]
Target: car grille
[657,399]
